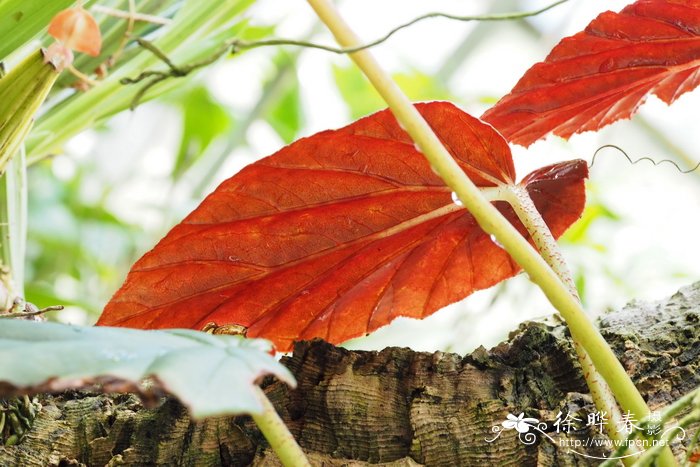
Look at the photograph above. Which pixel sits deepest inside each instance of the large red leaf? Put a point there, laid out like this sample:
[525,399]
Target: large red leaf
[604,73]
[338,234]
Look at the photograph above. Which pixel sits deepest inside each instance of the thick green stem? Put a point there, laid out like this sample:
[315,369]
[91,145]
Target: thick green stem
[488,217]
[278,435]
[22,91]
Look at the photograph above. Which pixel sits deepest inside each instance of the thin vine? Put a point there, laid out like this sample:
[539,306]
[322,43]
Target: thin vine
[645,158]
[236,45]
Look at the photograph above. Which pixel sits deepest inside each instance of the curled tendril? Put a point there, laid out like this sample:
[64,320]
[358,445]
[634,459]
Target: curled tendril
[635,161]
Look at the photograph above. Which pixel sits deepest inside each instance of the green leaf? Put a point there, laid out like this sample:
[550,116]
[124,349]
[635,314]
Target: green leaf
[286,116]
[113,30]
[204,119]
[197,31]
[211,374]
[362,99]
[21,20]
[255,33]
[595,211]
[22,91]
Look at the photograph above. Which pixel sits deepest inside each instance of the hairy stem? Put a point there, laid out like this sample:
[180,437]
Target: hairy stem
[519,198]
[278,435]
[488,217]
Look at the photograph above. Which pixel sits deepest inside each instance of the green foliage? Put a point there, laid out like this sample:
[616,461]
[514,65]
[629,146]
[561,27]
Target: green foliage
[211,374]
[89,246]
[204,119]
[22,20]
[285,115]
[22,92]
[579,232]
[113,30]
[362,99]
[197,31]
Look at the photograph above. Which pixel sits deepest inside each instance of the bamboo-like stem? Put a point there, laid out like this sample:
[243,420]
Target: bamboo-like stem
[488,217]
[13,224]
[22,91]
[278,435]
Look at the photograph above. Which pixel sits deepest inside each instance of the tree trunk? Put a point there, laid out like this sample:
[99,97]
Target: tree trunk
[396,407]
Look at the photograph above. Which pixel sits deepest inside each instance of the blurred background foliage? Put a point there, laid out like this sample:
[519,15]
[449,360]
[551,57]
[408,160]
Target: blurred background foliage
[116,181]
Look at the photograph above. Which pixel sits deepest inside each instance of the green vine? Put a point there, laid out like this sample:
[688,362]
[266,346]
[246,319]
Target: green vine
[236,45]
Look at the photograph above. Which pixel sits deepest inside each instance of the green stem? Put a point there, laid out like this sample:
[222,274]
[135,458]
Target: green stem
[519,198]
[488,217]
[691,449]
[13,223]
[22,91]
[692,398]
[656,452]
[278,435]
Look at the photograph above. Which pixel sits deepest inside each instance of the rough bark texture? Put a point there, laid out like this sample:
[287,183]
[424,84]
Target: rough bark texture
[394,408]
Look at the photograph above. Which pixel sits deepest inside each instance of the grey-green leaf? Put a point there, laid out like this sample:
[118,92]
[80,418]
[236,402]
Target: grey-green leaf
[211,374]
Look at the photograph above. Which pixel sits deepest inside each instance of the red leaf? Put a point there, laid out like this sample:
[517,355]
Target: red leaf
[336,235]
[604,73]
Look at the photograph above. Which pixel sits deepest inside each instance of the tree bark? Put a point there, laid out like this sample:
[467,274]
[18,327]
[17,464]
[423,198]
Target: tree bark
[396,407]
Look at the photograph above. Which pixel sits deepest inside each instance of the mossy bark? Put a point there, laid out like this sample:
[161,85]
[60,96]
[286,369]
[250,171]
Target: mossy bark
[396,407]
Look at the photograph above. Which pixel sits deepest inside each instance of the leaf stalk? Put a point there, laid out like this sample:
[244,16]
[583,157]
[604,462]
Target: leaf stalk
[278,435]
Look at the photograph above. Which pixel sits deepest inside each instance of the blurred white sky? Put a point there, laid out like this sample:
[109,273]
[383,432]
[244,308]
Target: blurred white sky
[653,250]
